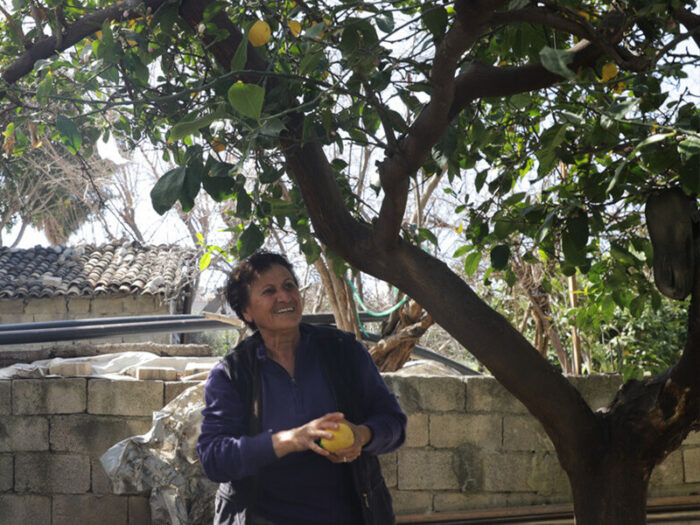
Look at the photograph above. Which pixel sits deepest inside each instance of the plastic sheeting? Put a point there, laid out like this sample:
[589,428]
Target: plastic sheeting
[113,366]
[165,462]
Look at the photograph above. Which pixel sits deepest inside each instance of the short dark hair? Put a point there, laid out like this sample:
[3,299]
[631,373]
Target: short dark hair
[238,285]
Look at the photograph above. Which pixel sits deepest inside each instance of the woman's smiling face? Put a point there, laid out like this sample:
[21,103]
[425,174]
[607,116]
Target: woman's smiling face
[274,301]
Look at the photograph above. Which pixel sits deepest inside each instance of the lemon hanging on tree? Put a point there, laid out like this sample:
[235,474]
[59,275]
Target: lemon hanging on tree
[294,27]
[342,438]
[259,33]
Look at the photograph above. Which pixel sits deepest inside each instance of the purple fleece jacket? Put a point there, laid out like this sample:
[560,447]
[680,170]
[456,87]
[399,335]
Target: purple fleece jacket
[302,487]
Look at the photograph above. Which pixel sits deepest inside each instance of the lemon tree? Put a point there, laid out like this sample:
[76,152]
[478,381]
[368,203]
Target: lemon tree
[542,127]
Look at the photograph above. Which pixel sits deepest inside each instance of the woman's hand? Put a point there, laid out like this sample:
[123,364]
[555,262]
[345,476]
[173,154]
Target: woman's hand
[363,435]
[304,437]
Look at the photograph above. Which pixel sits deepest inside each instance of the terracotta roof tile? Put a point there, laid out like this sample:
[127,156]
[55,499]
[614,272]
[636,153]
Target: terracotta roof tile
[91,270]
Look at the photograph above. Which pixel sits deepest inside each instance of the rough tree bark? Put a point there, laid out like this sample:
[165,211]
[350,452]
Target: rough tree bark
[608,456]
[400,336]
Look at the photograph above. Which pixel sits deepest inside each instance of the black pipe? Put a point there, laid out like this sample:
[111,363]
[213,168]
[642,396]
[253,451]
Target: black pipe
[71,323]
[51,331]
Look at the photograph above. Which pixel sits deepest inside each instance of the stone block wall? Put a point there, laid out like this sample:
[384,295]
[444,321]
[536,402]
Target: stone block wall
[63,308]
[470,445]
[53,432]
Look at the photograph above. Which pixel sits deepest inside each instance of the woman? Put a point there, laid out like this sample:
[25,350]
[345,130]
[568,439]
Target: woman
[270,401]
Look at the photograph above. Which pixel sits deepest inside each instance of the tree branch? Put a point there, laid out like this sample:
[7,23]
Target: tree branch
[430,125]
[77,31]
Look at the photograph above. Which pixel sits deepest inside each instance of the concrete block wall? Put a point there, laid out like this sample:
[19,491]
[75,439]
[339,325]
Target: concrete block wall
[52,434]
[62,308]
[470,445]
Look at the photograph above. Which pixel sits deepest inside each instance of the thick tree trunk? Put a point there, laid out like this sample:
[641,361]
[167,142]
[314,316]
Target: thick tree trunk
[612,492]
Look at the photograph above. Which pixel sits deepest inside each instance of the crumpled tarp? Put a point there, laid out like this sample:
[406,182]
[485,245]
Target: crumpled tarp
[113,366]
[165,461]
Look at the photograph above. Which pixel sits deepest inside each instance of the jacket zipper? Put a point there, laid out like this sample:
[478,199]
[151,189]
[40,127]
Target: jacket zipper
[366,499]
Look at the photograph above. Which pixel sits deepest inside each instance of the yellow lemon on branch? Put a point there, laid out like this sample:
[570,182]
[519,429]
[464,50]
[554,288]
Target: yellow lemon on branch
[294,27]
[342,438]
[259,33]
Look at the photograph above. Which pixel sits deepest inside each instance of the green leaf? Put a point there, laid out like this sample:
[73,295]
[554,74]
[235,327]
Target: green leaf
[471,263]
[435,19]
[385,22]
[690,146]
[205,261]
[190,125]
[167,189]
[556,61]
[619,109]
[461,250]
[653,139]
[250,240]
[244,204]
[240,57]
[577,228]
[426,234]
[499,256]
[70,135]
[247,99]
[310,62]
[315,30]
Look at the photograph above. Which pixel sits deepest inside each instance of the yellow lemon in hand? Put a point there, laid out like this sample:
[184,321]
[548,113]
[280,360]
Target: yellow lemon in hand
[259,33]
[342,438]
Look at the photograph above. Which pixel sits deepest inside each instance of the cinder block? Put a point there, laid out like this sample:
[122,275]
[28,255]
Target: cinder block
[452,430]
[389,464]
[485,394]
[43,473]
[93,435]
[144,304]
[524,433]
[175,388]
[10,306]
[457,501]
[692,439]
[24,434]
[47,305]
[71,369]
[89,509]
[669,472]
[47,317]
[161,373]
[139,510]
[124,397]
[79,305]
[427,393]
[48,396]
[6,472]
[691,464]
[412,502]
[421,469]
[15,318]
[506,472]
[524,472]
[17,510]
[546,477]
[5,397]
[198,368]
[417,430]
[597,389]
[108,304]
